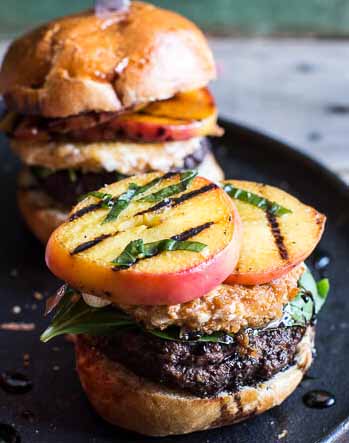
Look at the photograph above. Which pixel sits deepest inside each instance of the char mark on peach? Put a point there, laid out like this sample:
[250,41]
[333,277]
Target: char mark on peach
[89,244]
[81,212]
[191,232]
[173,202]
[278,237]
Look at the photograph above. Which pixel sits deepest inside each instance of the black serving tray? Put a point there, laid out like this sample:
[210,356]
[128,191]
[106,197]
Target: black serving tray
[60,411]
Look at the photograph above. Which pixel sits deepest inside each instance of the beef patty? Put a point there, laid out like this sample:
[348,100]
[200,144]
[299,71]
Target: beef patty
[66,186]
[202,368]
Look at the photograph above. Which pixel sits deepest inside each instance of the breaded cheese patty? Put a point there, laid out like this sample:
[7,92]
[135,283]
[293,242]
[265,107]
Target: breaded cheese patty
[227,308]
[127,158]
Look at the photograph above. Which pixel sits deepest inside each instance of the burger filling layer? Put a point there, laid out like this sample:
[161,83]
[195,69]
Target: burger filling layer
[228,308]
[65,186]
[202,363]
[204,369]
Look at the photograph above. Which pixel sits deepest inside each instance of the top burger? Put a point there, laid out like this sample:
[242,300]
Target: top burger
[92,98]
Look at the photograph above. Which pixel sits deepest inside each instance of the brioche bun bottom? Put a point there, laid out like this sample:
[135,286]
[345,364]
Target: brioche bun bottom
[40,213]
[136,404]
[43,215]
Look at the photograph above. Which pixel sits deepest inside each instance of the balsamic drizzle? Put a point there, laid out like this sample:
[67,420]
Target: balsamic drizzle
[85,210]
[191,232]
[89,244]
[319,399]
[94,206]
[15,383]
[172,202]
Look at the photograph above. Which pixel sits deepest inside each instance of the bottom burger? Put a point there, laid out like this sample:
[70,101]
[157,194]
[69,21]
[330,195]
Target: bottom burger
[208,361]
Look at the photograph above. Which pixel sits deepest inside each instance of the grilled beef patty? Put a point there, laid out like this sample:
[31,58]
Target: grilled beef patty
[201,368]
[66,186]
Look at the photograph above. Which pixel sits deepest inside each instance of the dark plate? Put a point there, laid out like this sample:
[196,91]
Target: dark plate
[61,412]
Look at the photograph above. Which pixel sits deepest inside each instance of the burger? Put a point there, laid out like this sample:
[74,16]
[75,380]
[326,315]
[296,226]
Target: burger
[95,97]
[189,302]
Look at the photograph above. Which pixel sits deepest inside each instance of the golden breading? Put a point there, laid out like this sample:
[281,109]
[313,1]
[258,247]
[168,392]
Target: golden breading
[226,308]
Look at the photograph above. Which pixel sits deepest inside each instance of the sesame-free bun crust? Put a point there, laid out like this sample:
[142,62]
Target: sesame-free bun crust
[41,220]
[87,62]
[40,213]
[125,400]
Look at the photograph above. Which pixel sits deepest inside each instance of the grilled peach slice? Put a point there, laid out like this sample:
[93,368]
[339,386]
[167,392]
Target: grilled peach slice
[276,238]
[188,114]
[89,249]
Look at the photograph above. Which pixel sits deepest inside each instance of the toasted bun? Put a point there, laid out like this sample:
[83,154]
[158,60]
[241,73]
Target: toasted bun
[131,402]
[41,220]
[43,215]
[85,63]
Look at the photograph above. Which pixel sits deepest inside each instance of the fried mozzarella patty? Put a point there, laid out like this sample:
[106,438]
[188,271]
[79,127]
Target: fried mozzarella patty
[227,308]
[127,158]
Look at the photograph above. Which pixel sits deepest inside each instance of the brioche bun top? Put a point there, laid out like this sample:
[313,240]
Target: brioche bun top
[86,62]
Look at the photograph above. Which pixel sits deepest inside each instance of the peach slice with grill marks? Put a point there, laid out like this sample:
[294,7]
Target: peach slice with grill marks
[186,115]
[85,251]
[277,236]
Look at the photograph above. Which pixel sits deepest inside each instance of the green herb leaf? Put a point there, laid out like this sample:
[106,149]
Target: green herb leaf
[72,175]
[107,199]
[41,171]
[74,316]
[124,200]
[121,203]
[308,302]
[119,176]
[138,250]
[323,288]
[185,179]
[175,333]
[255,200]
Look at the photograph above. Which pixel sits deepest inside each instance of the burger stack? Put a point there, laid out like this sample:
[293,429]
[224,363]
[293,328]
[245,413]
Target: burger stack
[190,303]
[92,98]
[186,295]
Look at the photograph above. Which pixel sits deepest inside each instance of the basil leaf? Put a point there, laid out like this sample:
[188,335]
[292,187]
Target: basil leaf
[106,198]
[72,175]
[323,288]
[74,316]
[138,250]
[124,200]
[119,176]
[118,204]
[185,179]
[218,337]
[41,171]
[175,333]
[255,200]
[308,303]
[121,203]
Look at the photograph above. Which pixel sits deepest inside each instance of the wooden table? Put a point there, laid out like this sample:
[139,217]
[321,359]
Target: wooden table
[293,89]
